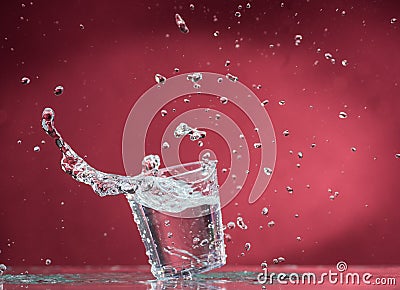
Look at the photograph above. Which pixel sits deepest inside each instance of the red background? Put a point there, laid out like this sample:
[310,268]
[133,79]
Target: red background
[106,66]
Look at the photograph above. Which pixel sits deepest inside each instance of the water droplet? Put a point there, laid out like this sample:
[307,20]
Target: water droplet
[297,39]
[328,55]
[289,189]
[240,223]
[397,155]
[298,238]
[58,90]
[271,224]
[238,14]
[170,235]
[200,143]
[232,78]
[223,100]
[342,115]
[257,145]
[36,148]
[345,62]
[167,223]
[216,33]
[224,170]
[231,225]
[187,101]
[3,268]
[19,141]
[160,79]
[300,154]
[343,13]
[282,102]
[281,259]
[275,261]
[313,145]
[354,149]
[219,80]
[296,215]
[204,242]
[25,80]
[267,170]
[217,116]
[227,62]
[264,265]
[286,133]
[163,113]
[48,262]
[195,77]
[247,246]
[393,20]
[248,5]
[165,145]
[191,6]
[263,103]
[81,26]
[264,211]
[181,24]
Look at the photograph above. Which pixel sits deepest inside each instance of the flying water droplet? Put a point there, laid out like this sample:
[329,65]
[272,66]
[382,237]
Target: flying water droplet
[58,90]
[25,80]
[240,223]
[160,79]
[232,78]
[231,225]
[223,100]
[181,24]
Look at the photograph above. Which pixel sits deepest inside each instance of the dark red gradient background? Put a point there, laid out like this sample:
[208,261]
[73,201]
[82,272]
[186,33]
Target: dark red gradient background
[106,66]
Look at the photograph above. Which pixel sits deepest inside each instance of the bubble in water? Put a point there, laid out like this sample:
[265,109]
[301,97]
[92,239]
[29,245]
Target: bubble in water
[393,20]
[3,268]
[163,113]
[231,225]
[271,224]
[227,62]
[181,24]
[247,246]
[342,115]
[36,148]
[267,171]
[345,62]
[257,145]
[160,79]
[48,262]
[286,133]
[58,90]
[165,145]
[25,80]
[264,211]
[297,39]
[223,100]
[232,78]
[240,223]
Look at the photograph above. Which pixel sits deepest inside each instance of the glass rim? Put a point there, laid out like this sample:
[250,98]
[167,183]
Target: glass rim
[169,168]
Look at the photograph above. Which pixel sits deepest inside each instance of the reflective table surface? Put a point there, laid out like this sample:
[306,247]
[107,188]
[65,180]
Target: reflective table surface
[228,277]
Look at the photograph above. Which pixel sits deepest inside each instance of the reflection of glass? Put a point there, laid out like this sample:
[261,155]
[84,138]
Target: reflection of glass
[184,236]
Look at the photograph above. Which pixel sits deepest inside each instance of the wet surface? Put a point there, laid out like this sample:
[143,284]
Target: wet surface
[230,277]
